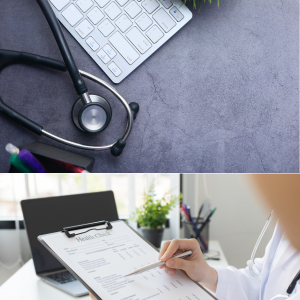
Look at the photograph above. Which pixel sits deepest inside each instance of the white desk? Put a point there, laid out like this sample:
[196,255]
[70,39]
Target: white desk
[26,285]
[215,245]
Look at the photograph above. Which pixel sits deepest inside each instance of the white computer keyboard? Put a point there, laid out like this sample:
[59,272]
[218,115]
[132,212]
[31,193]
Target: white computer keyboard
[120,34]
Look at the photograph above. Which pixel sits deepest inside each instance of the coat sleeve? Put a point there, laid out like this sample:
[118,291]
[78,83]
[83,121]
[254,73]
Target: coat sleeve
[236,284]
[239,284]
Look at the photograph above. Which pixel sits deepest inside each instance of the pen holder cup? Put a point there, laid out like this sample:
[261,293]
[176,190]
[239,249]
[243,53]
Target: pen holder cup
[47,155]
[190,231]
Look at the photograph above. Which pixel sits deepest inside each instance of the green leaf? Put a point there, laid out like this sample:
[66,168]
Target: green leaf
[153,213]
[202,1]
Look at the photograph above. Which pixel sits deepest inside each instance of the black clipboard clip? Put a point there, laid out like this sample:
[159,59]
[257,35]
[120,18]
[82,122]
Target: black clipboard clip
[70,235]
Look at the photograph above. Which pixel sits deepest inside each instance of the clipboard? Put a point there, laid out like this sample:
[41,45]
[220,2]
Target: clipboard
[95,227]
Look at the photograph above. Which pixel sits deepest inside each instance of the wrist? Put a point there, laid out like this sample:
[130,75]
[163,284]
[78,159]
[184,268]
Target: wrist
[210,281]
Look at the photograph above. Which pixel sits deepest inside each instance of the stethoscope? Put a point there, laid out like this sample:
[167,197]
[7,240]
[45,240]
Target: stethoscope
[90,113]
[257,275]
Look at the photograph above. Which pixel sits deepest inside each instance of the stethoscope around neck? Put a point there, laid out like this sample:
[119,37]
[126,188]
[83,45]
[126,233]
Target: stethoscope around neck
[90,113]
[257,274]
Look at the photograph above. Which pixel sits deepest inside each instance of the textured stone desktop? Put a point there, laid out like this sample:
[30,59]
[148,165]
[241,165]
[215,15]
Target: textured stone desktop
[220,96]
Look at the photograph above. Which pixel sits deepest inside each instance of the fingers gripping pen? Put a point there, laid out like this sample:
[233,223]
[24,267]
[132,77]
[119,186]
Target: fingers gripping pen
[26,157]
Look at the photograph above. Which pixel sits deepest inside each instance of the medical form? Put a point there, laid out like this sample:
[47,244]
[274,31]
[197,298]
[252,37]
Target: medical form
[101,259]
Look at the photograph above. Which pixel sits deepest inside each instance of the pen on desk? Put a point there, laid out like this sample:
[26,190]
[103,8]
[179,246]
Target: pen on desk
[159,263]
[27,157]
[19,164]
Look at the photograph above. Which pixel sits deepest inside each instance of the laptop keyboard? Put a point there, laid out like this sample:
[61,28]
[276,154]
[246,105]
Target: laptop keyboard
[63,277]
[120,34]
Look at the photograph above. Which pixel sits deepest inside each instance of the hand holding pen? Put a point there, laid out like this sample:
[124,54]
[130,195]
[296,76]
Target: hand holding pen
[195,265]
[159,263]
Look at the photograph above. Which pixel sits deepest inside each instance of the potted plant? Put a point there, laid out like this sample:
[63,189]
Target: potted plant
[152,215]
[200,2]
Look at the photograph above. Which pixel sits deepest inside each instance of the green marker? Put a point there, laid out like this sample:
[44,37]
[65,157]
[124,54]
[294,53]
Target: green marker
[213,211]
[19,164]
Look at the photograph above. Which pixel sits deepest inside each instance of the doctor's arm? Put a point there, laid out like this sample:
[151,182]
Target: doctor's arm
[195,265]
[228,283]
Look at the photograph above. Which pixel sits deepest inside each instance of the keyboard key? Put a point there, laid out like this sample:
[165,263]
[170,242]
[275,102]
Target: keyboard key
[112,10]
[103,56]
[143,21]
[92,43]
[84,5]
[102,3]
[122,2]
[166,3]
[115,69]
[164,20]
[138,40]
[84,28]
[95,15]
[124,48]
[106,27]
[155,34]
[60,4]
[123,23]
[176,14]
[109,50]
[63,277]
[132,9]
[72,14]
[150,5]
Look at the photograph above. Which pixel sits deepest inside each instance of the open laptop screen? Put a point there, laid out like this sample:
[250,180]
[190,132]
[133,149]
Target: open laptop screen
[47,215]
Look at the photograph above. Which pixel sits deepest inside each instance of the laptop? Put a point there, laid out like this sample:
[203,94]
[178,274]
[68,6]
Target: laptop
[47,215]
[119,35]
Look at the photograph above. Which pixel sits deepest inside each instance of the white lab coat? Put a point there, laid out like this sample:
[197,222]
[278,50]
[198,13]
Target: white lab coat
[239,284]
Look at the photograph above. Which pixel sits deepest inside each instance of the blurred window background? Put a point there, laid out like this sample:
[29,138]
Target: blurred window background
[128,188]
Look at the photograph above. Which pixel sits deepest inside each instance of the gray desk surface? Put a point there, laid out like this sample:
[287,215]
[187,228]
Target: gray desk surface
[220,96]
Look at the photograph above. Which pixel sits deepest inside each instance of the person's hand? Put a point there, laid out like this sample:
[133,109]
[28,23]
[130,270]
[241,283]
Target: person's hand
[195,265]
[93,298]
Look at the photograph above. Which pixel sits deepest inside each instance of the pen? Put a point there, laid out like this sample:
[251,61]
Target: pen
[26,157]
[202,241]
[186,211]
[199,213]
[182,208]
[159,263]
[206,221]
[19,164]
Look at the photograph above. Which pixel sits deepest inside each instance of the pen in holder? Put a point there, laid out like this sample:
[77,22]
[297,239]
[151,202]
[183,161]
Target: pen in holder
[191,229]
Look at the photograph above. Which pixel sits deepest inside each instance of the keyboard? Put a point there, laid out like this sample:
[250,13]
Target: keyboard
[63,277]
[120,34]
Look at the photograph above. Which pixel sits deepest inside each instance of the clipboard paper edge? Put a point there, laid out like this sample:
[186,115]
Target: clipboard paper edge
[40,239]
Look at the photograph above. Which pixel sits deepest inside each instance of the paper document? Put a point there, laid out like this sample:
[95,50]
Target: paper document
[102,259]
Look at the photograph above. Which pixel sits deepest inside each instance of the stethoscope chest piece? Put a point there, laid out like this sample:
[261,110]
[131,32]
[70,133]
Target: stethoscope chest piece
[93,116]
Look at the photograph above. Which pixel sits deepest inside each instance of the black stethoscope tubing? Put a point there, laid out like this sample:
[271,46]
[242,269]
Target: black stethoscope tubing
[292,285]
[10,57]
[62,44]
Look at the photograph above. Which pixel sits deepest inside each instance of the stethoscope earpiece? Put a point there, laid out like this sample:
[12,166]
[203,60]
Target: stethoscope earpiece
[91,117]
[250,263]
